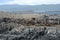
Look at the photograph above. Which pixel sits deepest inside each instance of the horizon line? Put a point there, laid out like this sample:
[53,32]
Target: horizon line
[29,4]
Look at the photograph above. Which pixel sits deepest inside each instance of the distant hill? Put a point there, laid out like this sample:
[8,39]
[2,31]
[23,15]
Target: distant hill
[36,8]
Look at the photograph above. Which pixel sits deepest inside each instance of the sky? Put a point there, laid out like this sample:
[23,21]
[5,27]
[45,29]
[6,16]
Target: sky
[29,2]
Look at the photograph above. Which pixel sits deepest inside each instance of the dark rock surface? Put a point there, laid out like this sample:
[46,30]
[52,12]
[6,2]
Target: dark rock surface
[27,34]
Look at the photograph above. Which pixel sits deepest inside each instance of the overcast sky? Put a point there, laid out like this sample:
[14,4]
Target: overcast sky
[29,2]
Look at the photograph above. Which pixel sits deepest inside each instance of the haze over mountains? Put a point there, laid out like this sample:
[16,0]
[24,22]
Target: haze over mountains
[36,8]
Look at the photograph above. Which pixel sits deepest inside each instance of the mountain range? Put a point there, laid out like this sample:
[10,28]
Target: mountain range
[30,8]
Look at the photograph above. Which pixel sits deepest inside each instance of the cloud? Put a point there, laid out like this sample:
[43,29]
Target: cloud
[32,2]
